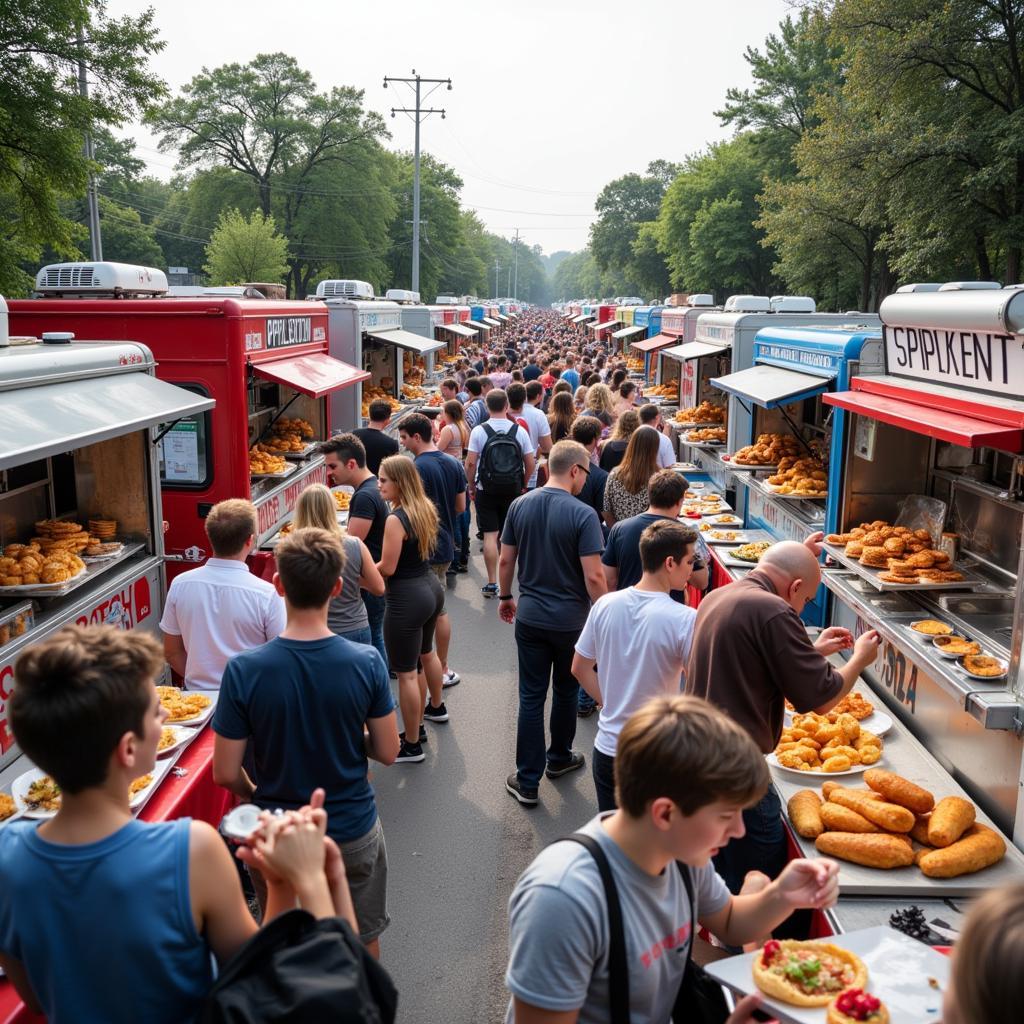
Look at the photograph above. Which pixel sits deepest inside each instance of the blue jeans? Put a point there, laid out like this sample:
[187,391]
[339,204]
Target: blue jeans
[359,636]
[586,701]
[763,848]
[375,607]
[462,526]
[545,659]
[603,768]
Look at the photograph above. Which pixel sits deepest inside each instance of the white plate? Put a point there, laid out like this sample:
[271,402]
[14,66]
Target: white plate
[899,969]
[984,679]
[857,769]
[727,520]
[19,790]
[205,715]
[183,736]
[159,773]
[927,638]
[877,722]
[940,650]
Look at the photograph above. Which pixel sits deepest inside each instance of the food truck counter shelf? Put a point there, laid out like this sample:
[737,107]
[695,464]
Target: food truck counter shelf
[903,754]
[693,350]
[90,573]
[972,577]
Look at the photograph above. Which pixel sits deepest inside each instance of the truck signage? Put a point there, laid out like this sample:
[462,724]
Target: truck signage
[283,331]
[277,505]
[725,335]
[791,355]
[370,319]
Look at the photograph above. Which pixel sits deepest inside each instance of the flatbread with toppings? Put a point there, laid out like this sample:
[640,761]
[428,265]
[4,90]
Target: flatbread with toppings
[182,706]
[43,795]
[807,973]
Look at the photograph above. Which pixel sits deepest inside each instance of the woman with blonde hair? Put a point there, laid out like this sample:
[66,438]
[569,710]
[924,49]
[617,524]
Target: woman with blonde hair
[625,492]
[454,441]
[599,404]
[561,416]
[579,398]
[346,615]
[615,447]
[414,600]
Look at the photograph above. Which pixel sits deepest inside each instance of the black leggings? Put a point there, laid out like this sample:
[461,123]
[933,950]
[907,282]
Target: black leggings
[413,605]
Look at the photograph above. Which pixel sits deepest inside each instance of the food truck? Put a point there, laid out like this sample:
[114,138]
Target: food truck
[265,363]
[80,471]
[416,320]
[678,325]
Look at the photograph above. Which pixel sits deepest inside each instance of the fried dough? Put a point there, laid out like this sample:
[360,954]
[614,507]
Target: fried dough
[898,790]
[837,818]
[979,848]
[804,810]
[890,817]
[873,851]
[952,816]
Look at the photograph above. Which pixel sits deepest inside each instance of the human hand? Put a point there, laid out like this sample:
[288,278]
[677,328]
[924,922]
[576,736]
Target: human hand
[293,847]
[813,543]
[865,650]
[832,640]
[744,1012]
[507,610]
[809,884]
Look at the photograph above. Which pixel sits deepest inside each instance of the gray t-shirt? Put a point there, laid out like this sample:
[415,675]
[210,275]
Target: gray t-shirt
[346,612]
[552,531]
[558,931]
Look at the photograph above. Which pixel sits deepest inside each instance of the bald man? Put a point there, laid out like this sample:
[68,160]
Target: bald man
[750,654]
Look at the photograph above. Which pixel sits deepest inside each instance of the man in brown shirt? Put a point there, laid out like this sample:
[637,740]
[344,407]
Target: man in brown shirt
[750,654]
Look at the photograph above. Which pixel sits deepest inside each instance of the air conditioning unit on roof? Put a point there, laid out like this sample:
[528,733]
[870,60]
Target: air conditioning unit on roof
[792,304]
[905,289]
[344,290]
[121,280]
[969,286]
[702,300]
[748,304]
[402,295]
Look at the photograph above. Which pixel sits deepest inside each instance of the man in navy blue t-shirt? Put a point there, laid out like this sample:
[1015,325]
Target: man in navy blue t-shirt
[303,701]
[444,480]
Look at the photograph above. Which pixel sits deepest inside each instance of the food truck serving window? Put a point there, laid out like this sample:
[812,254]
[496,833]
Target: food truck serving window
[186,450]
[769,386]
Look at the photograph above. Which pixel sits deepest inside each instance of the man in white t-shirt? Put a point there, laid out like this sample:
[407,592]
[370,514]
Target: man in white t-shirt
[220,609]
[636,642]
[536,423]
[492,508]
[650,416]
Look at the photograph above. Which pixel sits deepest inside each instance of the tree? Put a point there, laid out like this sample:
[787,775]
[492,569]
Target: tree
[622,206]
[577,277]
[43,119]
[126,239]
[243,250]
[266,121]
[646,263]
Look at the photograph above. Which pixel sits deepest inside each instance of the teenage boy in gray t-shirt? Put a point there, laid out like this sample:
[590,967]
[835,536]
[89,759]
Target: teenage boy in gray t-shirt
[684,774]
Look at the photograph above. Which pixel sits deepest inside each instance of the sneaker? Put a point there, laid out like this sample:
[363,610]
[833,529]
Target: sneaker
[574,762]
[450,678]
[432,714]
[423,734]
[392,674]
[489,590]
[462,567]
[527,797]
[410,753]
[585,710]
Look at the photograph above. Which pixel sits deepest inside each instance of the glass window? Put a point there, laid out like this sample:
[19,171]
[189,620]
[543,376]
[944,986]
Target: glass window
[185,452]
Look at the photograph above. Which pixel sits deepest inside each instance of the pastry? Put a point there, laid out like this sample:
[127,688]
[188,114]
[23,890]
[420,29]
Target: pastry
[890,817]
[898,790]
[983,665]
[855,1006]
[931,627]
[952,816]
[805,813]
[979,848]
[837,818]
[877,850]
[806,973]
[919,833]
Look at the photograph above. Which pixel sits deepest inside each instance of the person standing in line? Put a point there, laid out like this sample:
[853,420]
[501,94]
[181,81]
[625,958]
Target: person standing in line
[476,411]
[500,377]
[415,600]
[556,541]
[636,643]
[377,444]
[497,476]
[220,609]
[569,373]
[614,449]
[751,654]
[345,457]
[346,614]
[626,493]
[449,391]
[454,441]
[534,420]
[650,416]
[561,417]
[444,481]
[314,707]
[531,371]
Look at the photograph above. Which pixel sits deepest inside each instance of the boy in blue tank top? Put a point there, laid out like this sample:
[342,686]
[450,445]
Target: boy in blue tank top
[104,918]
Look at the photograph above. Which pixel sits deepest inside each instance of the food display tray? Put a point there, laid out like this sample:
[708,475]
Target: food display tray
[971,578]
[743,536]
[726,555]
[287,471]
[749,467]
[697,426]
[85,576]
[901,972]
[773,491]
[707,445]
[301,456]
[902,754]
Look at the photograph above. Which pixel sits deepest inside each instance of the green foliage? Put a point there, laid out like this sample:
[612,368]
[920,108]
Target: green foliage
[243,250]
[126,239]
[43,119]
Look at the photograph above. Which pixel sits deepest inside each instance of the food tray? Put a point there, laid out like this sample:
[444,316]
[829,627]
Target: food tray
[16,621]
[83,577]
[697,426]
[750,467]
[877,722]
[184,735]
[92,559]
[971,578]
[772,489]
[45,589]
[287,471]
[727,557]
[205,715]
[899,973]
[742,536]
[301,456]
[709,445]
[822,777]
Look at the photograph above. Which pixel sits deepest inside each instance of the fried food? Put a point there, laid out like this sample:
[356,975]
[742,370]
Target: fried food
[984,665]
[7,806]
[263,461]
[751,552]
[833,742]
[898,790]
[43,795]
[806,973]
[891,817]
[768,450]
[979,848]
[837,818]
[876,850]
[932,627]
[854,704]
[804,810]
[167,739]
[182,706]
[919,833]
[342,500]
[103,529]
[952,817]
[855,1006]
[139,784]
[712,435]
[706,412]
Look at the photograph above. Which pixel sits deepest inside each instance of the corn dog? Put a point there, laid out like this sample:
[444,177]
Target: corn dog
[952,816]
[890,817]
[919,833]
[979,848]
[805,813]
[837,818]
[827,787]
[873,851]
[898,790]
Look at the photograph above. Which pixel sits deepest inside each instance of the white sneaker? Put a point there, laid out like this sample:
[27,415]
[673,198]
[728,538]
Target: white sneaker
[450,678]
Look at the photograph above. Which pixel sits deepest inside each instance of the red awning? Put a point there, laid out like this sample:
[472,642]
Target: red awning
[933,411]
[316,374]
[653,344]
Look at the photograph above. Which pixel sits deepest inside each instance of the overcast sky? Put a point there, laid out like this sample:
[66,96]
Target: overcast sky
[551,99]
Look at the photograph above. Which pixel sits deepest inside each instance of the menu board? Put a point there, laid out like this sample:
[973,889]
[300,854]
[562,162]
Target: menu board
[181,461]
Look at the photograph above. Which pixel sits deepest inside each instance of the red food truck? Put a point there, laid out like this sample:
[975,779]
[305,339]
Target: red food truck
[266,365]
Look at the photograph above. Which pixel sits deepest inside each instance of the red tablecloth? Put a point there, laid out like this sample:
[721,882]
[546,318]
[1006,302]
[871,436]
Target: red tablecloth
[193,796]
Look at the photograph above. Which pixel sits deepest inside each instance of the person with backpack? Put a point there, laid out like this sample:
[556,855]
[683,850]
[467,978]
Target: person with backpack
[601,924]
[499,464]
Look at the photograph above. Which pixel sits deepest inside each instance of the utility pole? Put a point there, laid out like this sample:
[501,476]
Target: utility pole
[515,249]
[95,239]
[496,269]
[418,114]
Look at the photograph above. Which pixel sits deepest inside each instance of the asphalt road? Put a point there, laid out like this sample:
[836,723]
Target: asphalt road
[457,841]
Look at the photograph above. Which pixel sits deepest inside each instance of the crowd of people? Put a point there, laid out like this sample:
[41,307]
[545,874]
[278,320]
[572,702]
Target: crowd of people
[577,518]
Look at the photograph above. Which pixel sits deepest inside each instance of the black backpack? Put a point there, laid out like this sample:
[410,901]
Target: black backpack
[501,463]
[298,970]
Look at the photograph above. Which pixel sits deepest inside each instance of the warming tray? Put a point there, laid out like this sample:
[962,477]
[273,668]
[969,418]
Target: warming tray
[873,576]
[91,571]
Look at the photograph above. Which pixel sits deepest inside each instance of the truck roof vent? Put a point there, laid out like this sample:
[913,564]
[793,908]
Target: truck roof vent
[702,300]
[793,304]
[748,304]
[969,286]
[402,295]
[89,280]
[925,286]
[335,289]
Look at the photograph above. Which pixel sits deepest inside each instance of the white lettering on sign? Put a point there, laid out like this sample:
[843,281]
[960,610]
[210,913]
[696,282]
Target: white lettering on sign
[715,332]
[319,333]
[973,359]
[253,341]
[802,356]
[289,330]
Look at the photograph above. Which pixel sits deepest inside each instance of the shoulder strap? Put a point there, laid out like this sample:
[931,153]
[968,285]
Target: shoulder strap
[688,883]
[618,968]
[489,430]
